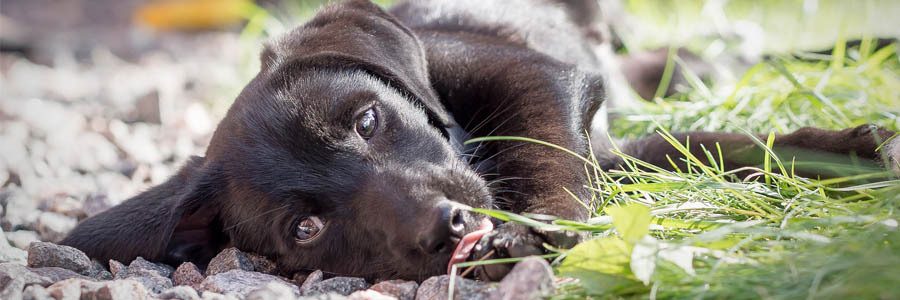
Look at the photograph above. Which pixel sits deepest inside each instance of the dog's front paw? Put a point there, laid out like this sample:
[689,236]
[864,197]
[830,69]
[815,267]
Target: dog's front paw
[508,240]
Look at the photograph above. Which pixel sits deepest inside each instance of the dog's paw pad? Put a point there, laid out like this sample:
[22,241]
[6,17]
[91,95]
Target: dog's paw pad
[508,240]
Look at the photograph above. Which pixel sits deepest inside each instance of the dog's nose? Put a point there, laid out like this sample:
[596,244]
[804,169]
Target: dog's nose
[444,230]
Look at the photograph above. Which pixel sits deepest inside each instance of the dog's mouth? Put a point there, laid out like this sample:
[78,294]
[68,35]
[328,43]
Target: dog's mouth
[467,243]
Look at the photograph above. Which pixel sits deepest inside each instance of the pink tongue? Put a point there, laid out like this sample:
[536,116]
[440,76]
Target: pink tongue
[467,243]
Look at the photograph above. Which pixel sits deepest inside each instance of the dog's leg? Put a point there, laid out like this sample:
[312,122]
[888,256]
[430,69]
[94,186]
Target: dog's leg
[816,152]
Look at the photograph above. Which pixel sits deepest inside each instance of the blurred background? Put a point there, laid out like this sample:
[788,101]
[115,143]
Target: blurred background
[100,99]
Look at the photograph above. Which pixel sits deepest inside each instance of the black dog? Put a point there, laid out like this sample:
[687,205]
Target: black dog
[345,153]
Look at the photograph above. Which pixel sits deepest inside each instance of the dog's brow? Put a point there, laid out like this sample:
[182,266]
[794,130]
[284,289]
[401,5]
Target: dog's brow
[351,105]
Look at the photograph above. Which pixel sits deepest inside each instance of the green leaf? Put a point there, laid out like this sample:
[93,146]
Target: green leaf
[631,221]
[609,255]
[602,265]
[596,283]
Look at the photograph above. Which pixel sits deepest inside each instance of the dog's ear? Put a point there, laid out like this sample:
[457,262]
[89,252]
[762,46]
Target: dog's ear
[359,34]
[173,222]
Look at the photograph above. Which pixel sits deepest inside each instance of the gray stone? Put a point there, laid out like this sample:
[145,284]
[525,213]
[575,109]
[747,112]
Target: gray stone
[154,283]
[35,292]
[115,267]
[96,203]
[207,295]
[142,267]
[401,289]
[370,295]
[531,278]
[180,293]
[240,282]
[146,109]
[65,205]
[104,275]
[9,253]
[436,288]
[11,288]
[71,289]
[341,285]
[229,259]
[41,254]
[87,290]
[97,270]
[58,274]
[154,277]
[10,271]
[273,291]
[262,264]
[22,238]
[187,274]
[54,227]
[313,278]
[117,290]
[299,278]
[329,296]
[19,209]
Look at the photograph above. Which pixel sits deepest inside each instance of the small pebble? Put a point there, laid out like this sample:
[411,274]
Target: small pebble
[227,260]
[42,254]
[340,285]
[188,274]
[313,278]
[436,288]
[531,278]
[115,267]
[180,293]
[401,289]
[240,282]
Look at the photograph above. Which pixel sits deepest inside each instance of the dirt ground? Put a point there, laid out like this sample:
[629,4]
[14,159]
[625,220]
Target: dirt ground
[94,109]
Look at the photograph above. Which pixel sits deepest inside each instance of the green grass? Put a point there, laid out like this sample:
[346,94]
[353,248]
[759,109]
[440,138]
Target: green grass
[703,233]
[710,235]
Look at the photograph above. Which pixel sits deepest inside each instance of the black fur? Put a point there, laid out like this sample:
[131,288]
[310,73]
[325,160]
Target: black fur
[287,148]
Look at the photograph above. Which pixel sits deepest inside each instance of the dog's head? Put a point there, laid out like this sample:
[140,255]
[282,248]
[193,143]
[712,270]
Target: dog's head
[333,158]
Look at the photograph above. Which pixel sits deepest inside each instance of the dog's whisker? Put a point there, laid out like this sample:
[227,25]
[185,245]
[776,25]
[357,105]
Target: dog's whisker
[490,117]
[496,127]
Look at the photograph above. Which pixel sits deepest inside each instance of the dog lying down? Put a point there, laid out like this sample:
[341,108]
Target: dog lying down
[345,152]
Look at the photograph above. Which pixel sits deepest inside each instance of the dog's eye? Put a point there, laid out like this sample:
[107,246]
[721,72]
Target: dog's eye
[366,124]
[309,227]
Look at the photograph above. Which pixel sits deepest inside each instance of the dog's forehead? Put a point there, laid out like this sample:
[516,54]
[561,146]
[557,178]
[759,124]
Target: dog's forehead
[323,101]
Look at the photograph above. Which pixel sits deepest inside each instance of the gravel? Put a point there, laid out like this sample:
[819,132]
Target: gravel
[62,272]
[227,260]
[35,292]
[240,282]
[8,253]
[437,288]
[188,274]
[43,254]
[340,285]
[180,293]
[531,278]
[11,271]
[400,289]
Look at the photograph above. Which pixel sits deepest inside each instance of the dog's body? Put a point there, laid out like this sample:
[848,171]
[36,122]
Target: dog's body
[345,152]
